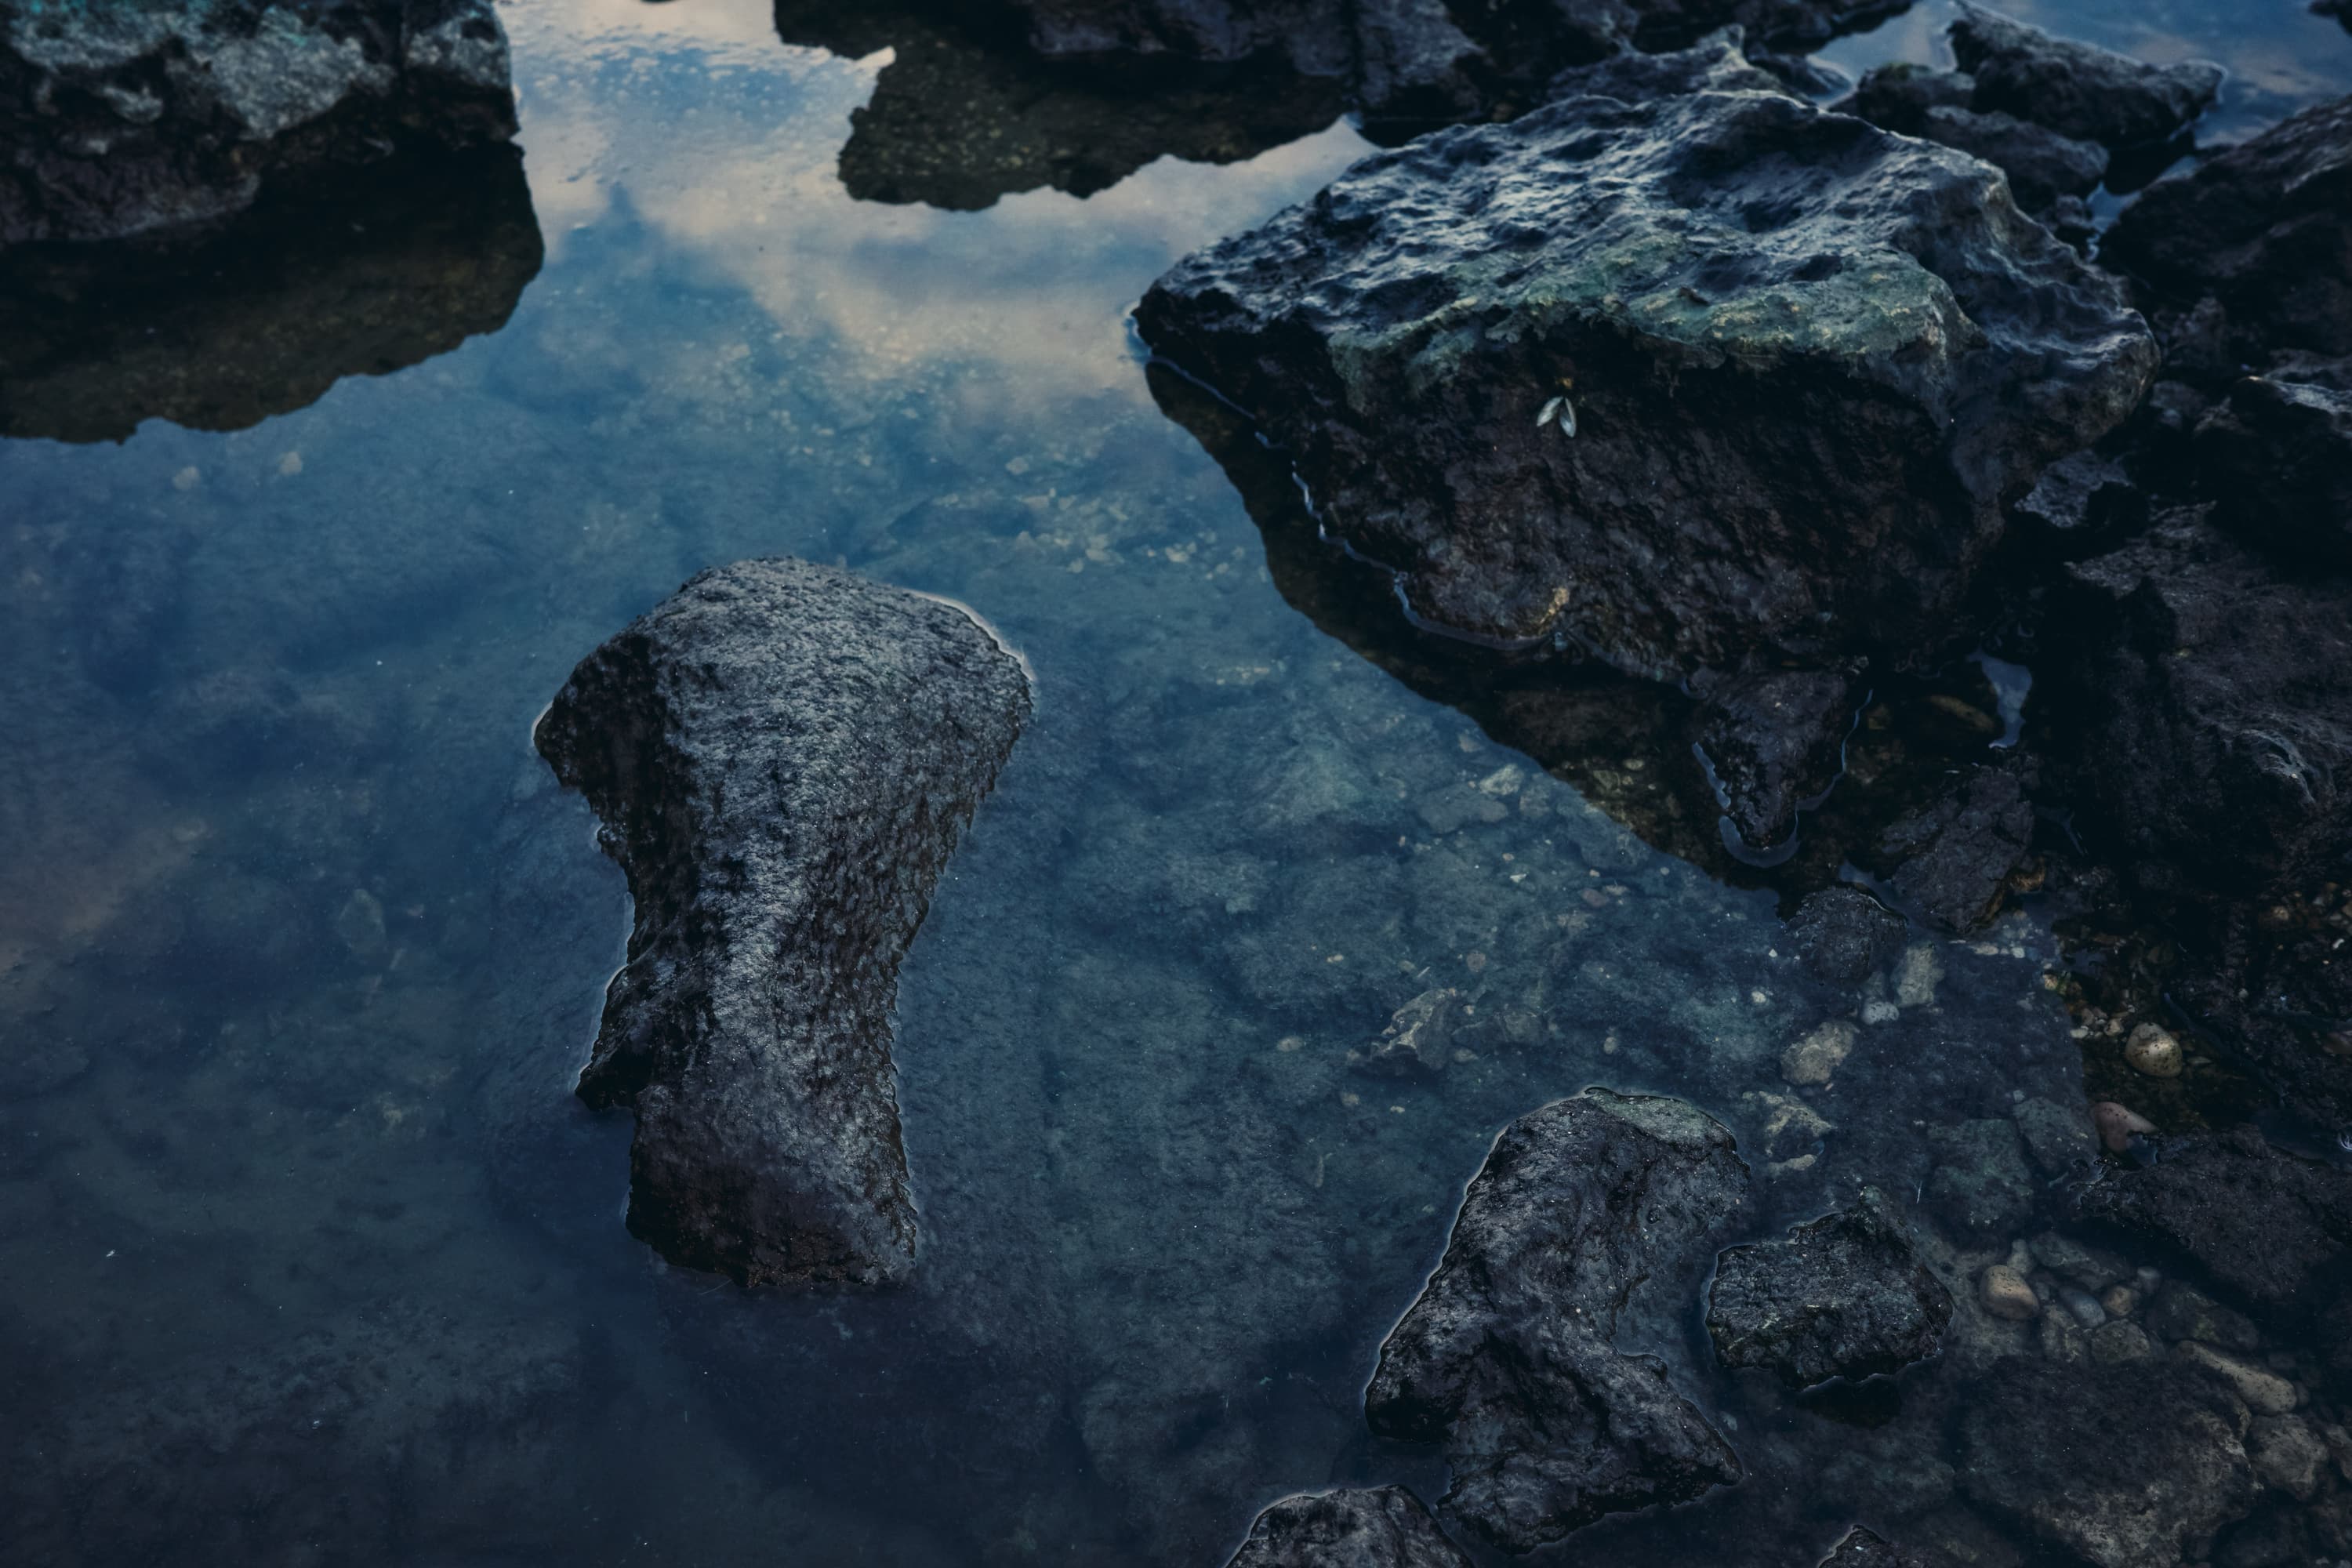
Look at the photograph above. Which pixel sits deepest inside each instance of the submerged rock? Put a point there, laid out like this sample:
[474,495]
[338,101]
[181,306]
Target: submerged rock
[2264,229]
[2276,462]
[1842,1296]
[1958,854]
[1385,1527]
[782,756]
[1698,381]
[127,119]
[2262,1221]
[1508,1358]
[2076,89]
[2128,1464]
[1774,740]
[1843,935]
[1420,1037]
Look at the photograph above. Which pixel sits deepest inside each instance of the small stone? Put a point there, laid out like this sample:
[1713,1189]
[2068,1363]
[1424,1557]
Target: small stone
[2090,1268]
[1881,1012]
[1814,1058]
[2063,1341]
[188,478]
[2287,1454]
[2084,1306]
[1916,982]
[2006,1294]
[1419,1035]
[2056,1136]
[2185,1313]
[290,464]
[2120,1300]
[2152,1050]
[2113,1343]
[2119,1125]
[2265,1393]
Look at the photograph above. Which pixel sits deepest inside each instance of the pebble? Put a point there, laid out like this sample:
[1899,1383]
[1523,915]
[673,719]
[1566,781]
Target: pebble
[2287,1454]
[2006,1294]
[2120,1300]
[2119,1341]
[1814,1058]
[2265,1394]
[2083,1304]
[2119,1125]
[2152,1050]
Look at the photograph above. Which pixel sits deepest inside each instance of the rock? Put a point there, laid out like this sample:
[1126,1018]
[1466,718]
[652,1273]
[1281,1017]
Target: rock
[1843,935]
[2057,1136]
[129,119]
[2005,1294]
[2151,1049]
[2119,1300]
[1400,334]
[1980,1184]
[2112,1343]
[1898,96]
[1842,1296]
[1419,1039]
[2264,229]
[2129,1465]
[2084,1268]
[2265,1394]
[2081,1306]
[1818,1055]
[2288,1455]
[1775,741]
[2063,1341]
[2264,1222]
[1860,1548]
[2042,165]
[2119,1125]
[1957,855]
[1508,1357]
[1385,1527]
[2185,1313]
[261,314]
[2275,460]
[2077,89]
[1792,1131]
[782,756]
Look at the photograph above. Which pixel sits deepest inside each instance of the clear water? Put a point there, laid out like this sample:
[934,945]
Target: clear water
[306,1254]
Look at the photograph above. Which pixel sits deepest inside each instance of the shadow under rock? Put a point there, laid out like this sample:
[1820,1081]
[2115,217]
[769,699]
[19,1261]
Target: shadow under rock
[223,327]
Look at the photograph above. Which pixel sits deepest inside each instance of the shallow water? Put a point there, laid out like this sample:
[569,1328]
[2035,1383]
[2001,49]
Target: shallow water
[308,1255]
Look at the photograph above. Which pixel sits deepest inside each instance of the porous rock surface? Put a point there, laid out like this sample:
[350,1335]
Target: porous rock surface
[2076,89]
[121,119]
[1509,1358]
[782,756]
[2262,1221]
[1383,1527]
[1840,1296]
[2128,1465]
[2264,229]
[1807,359]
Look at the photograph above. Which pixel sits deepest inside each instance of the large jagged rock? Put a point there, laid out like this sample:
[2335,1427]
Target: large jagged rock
[782,756]
[2262,1221]
[1957,854]
[1510,1357]
[123,119]
[1842,1296]
[261,318]
[2275,460]
[1386,1527]
[1806,361]
[987,99]
[2132,1465]
[2264,229]
[2076,89]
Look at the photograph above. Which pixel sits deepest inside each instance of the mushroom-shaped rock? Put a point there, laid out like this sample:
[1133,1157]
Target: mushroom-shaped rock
[1384,1527]
[782,756]
[1510,1357]
[1842,1296]
[1677,367]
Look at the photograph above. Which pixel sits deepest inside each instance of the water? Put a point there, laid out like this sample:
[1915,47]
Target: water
[308,1255]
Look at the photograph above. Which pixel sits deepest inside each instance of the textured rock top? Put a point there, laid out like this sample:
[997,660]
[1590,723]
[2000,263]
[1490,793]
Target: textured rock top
[2076,88]
[1742,298]
[1842,1296]
[782,756]
[1386,1527]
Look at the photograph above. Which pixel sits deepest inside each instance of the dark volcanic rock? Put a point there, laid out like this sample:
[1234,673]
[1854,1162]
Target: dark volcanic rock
[1774,740]
[2041,164]
[1508,1357]
[1898,95]
[125,119]
[1861,1548]
[2264,229]
[1958,854]
[1842,1296]
[2133,1465]
[1806,362]
[1382,1527]
[2077,89]
[2262,1221]
[222,330]
[2085,496]
[1843,935]
[782,756]
[2276,462]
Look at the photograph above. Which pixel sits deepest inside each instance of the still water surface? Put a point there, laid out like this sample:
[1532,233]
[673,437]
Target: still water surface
[305,1253]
